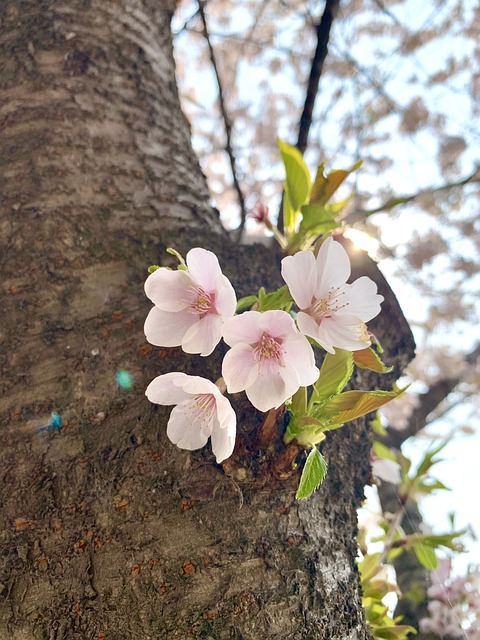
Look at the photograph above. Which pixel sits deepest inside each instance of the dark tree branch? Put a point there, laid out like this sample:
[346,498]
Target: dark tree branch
[323,29]
[226,120]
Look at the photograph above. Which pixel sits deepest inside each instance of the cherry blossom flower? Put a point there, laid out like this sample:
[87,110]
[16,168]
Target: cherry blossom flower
[201,412]
[269,359]
[190,305]
[332,312]
[384,469]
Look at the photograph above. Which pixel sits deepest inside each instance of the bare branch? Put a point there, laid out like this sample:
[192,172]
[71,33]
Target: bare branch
[226,120]
[391,203]
[428,403]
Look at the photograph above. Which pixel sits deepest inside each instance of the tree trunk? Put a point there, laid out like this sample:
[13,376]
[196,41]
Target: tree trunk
[108,531]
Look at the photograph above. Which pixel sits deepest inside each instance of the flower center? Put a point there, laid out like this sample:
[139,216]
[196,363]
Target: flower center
[203,408]
[203,303]
[362,332]
[328,305]
[268,349]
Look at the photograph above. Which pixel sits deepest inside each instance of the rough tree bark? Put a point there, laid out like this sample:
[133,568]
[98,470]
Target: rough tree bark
[107,530]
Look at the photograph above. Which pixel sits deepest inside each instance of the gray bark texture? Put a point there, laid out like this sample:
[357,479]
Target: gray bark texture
[107,531]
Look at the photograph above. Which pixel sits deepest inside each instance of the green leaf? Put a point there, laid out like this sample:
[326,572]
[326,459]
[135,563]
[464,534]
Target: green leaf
[377,426]
[153,268]
[369,566]
[426,556]
[335,372]
[289,214]
[381,451]
[315,214]
[395,632]
[355,404]
[298,180]
[178,256]
[279,299]
[246,302]
[369,359]
[428,460]
[325,186]
[312,475]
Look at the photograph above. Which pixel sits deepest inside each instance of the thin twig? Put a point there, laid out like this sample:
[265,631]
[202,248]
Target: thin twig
[361,214]
[226,121]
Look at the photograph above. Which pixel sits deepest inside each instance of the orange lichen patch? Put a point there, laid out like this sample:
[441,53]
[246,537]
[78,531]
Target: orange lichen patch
[188,568]
[101,636]
[245,602]
[211,615]
[144,350]
[85,460]
[13,289]
[163,587]
[82,505]
[153,563]
[105,334]
[162,353]
[120,503]
[16,414]
[205,561]
[135,570]
[156,457]
[294,540]
[23,523]
[79,545]
[58,526]
[117,314]
[186,504]
[42,562]
[97,543]
[76,608]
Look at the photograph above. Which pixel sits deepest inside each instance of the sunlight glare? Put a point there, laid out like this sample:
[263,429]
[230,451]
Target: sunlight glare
[362,241]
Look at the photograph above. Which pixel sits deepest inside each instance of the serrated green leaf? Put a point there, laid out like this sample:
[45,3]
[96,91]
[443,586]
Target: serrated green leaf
[298,180]
[426,556]
[335,372]
[351,405]
[312,475]
[369,359]
[246,302]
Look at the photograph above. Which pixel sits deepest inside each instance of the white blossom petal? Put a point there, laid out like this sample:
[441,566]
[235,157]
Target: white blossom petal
[278,324]
[225,300]
[245,328]
[273,387]
[299,273]
[223,433]
[203,336]
[299,354]
[342,336]
[239,368]
[204,267]
[170,290]
[333,267]
[362,299]
[187,427]
[166,329]
[168,388]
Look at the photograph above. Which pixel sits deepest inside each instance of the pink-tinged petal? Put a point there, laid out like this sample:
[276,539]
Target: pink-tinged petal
[299,273]
[347,337]
[299,354]
[204,267]
[224,430]
[170,290]
[309,327]
[333,267]
[273,387]
[278,324]
[195,385]
[204,335]
[239,368]
[168,389]
[225,300]
[187,427]
[166,329]
[362,299]
[245,328]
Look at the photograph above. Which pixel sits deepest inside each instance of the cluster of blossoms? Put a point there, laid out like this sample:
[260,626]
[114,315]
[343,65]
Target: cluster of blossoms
[454,607]
[270,357]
